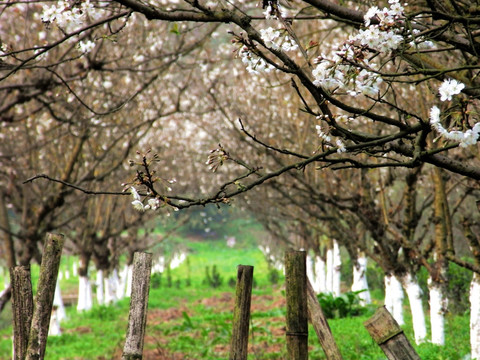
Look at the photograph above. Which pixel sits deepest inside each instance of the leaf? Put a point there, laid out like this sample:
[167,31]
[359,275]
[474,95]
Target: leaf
[174,29]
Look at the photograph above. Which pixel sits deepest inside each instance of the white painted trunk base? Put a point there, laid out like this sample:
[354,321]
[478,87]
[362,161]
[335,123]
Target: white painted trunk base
[310,269]
[414,292]
[438,308]
[329,277]
[128,290]
[337,266]
[100,288]
[111,285]
[54,327]
[475,316]
[61,314]
[319,284]
[84,294]
[360,280]
[394,298]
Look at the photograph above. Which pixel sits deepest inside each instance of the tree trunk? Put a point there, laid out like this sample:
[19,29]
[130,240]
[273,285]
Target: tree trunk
[320,276]
[360,280]
[100,287]
[414,293]
[337,265]
[5,236]
[297,309]
[329,275]
[394,298]
[438,309]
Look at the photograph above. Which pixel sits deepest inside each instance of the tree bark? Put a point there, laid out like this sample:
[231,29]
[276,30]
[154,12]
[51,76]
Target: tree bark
[5,234]
[241,314]
[52,252]
[137,318]
[386,332]
[22,308]
[297,309]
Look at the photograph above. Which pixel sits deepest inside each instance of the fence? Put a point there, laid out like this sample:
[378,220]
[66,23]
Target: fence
[31,319]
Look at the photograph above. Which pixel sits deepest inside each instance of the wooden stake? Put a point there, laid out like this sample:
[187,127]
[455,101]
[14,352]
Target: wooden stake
[47,281]
[320,324]
[241,313]
[137,318]
[22,308]
[297,313]
[386,332]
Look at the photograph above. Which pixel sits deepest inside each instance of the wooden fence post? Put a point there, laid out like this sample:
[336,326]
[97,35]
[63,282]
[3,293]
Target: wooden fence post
[47,281]
[241,313]
[386,332]
[297,312]
[320,324]
[137,317]
[22,309]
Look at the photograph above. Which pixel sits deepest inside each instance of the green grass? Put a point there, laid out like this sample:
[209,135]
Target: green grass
[195,320]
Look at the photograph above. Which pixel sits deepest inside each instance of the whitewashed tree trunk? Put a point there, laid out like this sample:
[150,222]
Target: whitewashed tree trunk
[111,283]
[394,298]
[414,292]
[320,280]
[100,288]
[54,327]
[61,314]
[360,280]
[337,266]
[122,281]
[128,290]
[310,269]
[84,294]
[438,308]
[475,316]
[75,269]
[329,282]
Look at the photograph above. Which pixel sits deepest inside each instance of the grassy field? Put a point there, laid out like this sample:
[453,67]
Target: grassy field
[188,319]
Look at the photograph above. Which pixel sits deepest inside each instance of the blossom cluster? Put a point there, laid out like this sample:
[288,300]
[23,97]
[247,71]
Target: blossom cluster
[69,16]
[327,139]
[275,40]
[341,73]
[447,90]
[152,204]
[254,63]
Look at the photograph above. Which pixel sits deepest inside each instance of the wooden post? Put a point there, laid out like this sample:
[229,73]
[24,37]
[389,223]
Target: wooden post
[241,313]
[137,318]
[22,309]
[386,332]
[47,281]
[297,309]
[320,324]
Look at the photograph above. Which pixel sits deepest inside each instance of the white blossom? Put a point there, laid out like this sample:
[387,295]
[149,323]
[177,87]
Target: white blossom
[340,146]
[86,46]
[134,193]
[467,138]
[138,205]
[449,88]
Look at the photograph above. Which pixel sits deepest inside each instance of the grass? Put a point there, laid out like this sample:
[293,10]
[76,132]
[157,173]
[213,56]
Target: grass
[194,322]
